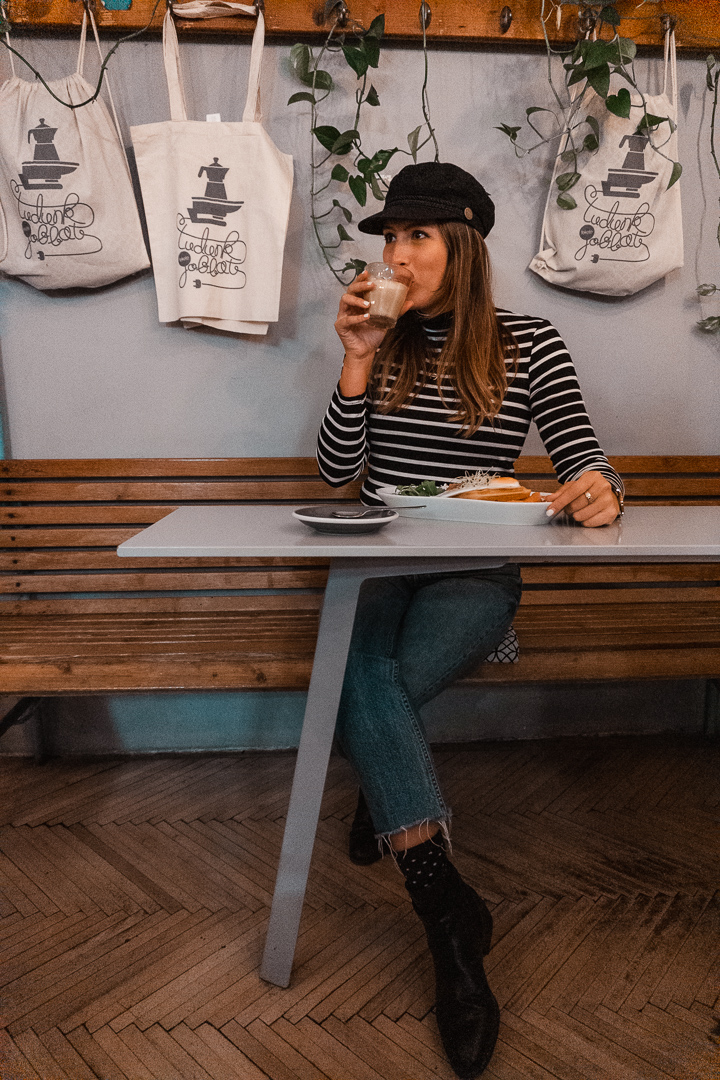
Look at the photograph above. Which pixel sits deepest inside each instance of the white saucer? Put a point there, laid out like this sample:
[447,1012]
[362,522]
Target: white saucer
[321,519]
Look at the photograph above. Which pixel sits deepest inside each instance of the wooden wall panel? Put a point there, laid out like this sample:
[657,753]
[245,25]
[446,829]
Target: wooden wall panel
[468,22]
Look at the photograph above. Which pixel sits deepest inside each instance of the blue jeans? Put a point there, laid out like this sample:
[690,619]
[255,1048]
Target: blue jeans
[413,636]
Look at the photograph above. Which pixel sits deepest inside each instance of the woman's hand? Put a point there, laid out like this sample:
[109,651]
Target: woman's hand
[589,500]
[360,341]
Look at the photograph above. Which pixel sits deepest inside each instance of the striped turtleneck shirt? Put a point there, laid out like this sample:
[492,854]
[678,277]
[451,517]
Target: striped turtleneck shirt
[421,442]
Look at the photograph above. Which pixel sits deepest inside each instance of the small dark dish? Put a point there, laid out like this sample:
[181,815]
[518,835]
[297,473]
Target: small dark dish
[345,519]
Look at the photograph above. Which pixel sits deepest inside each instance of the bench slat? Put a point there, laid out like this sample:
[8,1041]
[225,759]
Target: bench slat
[619,665]
[632,465]
[533,574]
[109,560]
[527,464]
[231,490]
[294,490]
[129,581]
[114,467]
[558,573]
[19,608]
[18,538]
[608,593]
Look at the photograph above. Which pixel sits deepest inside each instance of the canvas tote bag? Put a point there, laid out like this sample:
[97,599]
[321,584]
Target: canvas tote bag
[68,216]
[217,199]
[626,231]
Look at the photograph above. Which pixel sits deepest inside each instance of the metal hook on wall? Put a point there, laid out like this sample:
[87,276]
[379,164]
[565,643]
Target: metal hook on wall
[668,23]
[586,20]
[506,17]
[425,15]
[335,9]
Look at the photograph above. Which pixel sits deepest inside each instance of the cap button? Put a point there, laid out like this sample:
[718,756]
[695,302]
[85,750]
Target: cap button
[468,213]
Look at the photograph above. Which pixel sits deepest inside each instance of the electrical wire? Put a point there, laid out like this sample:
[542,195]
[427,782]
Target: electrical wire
[81,104]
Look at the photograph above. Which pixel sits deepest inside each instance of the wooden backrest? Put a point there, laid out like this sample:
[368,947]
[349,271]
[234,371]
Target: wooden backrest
[61,521]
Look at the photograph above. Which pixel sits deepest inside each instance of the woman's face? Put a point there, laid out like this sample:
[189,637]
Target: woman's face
[422,250]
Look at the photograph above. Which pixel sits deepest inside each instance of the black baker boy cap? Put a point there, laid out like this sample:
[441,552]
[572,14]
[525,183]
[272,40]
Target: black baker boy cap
[434,191]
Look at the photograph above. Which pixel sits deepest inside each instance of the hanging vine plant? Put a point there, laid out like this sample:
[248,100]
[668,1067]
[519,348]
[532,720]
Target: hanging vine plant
[588,65]
[711,324]
[340,166]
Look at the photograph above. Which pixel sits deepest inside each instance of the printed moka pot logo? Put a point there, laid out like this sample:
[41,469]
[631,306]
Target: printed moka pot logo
[619,232]
[52,228]
[206,258]
[46,168]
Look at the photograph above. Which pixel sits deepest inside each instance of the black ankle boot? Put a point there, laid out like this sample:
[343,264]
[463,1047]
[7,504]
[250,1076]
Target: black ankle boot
[459,930]
[363,848]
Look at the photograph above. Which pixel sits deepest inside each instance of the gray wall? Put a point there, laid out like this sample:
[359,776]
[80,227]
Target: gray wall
[96,375]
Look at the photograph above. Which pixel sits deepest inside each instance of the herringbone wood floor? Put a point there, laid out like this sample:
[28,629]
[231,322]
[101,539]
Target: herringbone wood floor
[134,898]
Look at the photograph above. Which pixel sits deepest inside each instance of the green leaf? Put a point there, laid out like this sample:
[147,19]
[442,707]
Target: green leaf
[371,49]
[358,186]
[343,233]
[593,125]
[711,325]
[590,142]
[566,202]
[567,180]
[511,132]
[300,57]
[706,290]
[649,123]
[356,58]
[609,15]
[414,136]
[372,96]
[376,189]
[346,213]
[376,29]
[344,142]
[302,96]
[708,80]
[710,61]
[619,104]
[326,135]
[534,109]
[675,174]
[578,74]
[339,173]
[568,155]
[319,80]
[598,54]
[599,79]
[381,158]
[364,164]
[627,48]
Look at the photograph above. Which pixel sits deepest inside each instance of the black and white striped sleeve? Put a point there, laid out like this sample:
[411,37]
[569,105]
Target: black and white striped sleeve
[559,411]
[342,440]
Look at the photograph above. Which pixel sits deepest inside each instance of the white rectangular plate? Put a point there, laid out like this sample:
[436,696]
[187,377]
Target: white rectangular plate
[480,510]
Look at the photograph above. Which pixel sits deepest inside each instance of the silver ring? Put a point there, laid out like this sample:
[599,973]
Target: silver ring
[588,496]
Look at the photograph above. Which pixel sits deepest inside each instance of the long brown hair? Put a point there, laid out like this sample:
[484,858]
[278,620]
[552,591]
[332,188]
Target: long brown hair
[478,346]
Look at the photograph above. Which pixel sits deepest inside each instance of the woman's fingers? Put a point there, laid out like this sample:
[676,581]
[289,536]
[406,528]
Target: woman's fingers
[589,500]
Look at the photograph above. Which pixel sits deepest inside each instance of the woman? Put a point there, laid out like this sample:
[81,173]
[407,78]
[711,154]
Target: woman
[451,389]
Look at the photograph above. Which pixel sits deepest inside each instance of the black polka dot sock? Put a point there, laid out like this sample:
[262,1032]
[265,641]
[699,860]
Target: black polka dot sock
[427,872]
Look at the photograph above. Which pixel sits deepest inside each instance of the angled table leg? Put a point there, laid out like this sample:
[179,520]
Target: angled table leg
[336,624]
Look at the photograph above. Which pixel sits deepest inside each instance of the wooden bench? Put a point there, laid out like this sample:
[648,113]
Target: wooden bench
[76,619]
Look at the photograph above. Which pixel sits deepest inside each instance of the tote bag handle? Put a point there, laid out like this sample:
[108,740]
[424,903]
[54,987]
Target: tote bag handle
[81,64]
[671,63]
[171,53]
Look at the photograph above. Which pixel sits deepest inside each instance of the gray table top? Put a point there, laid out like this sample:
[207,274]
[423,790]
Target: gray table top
[682,533]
